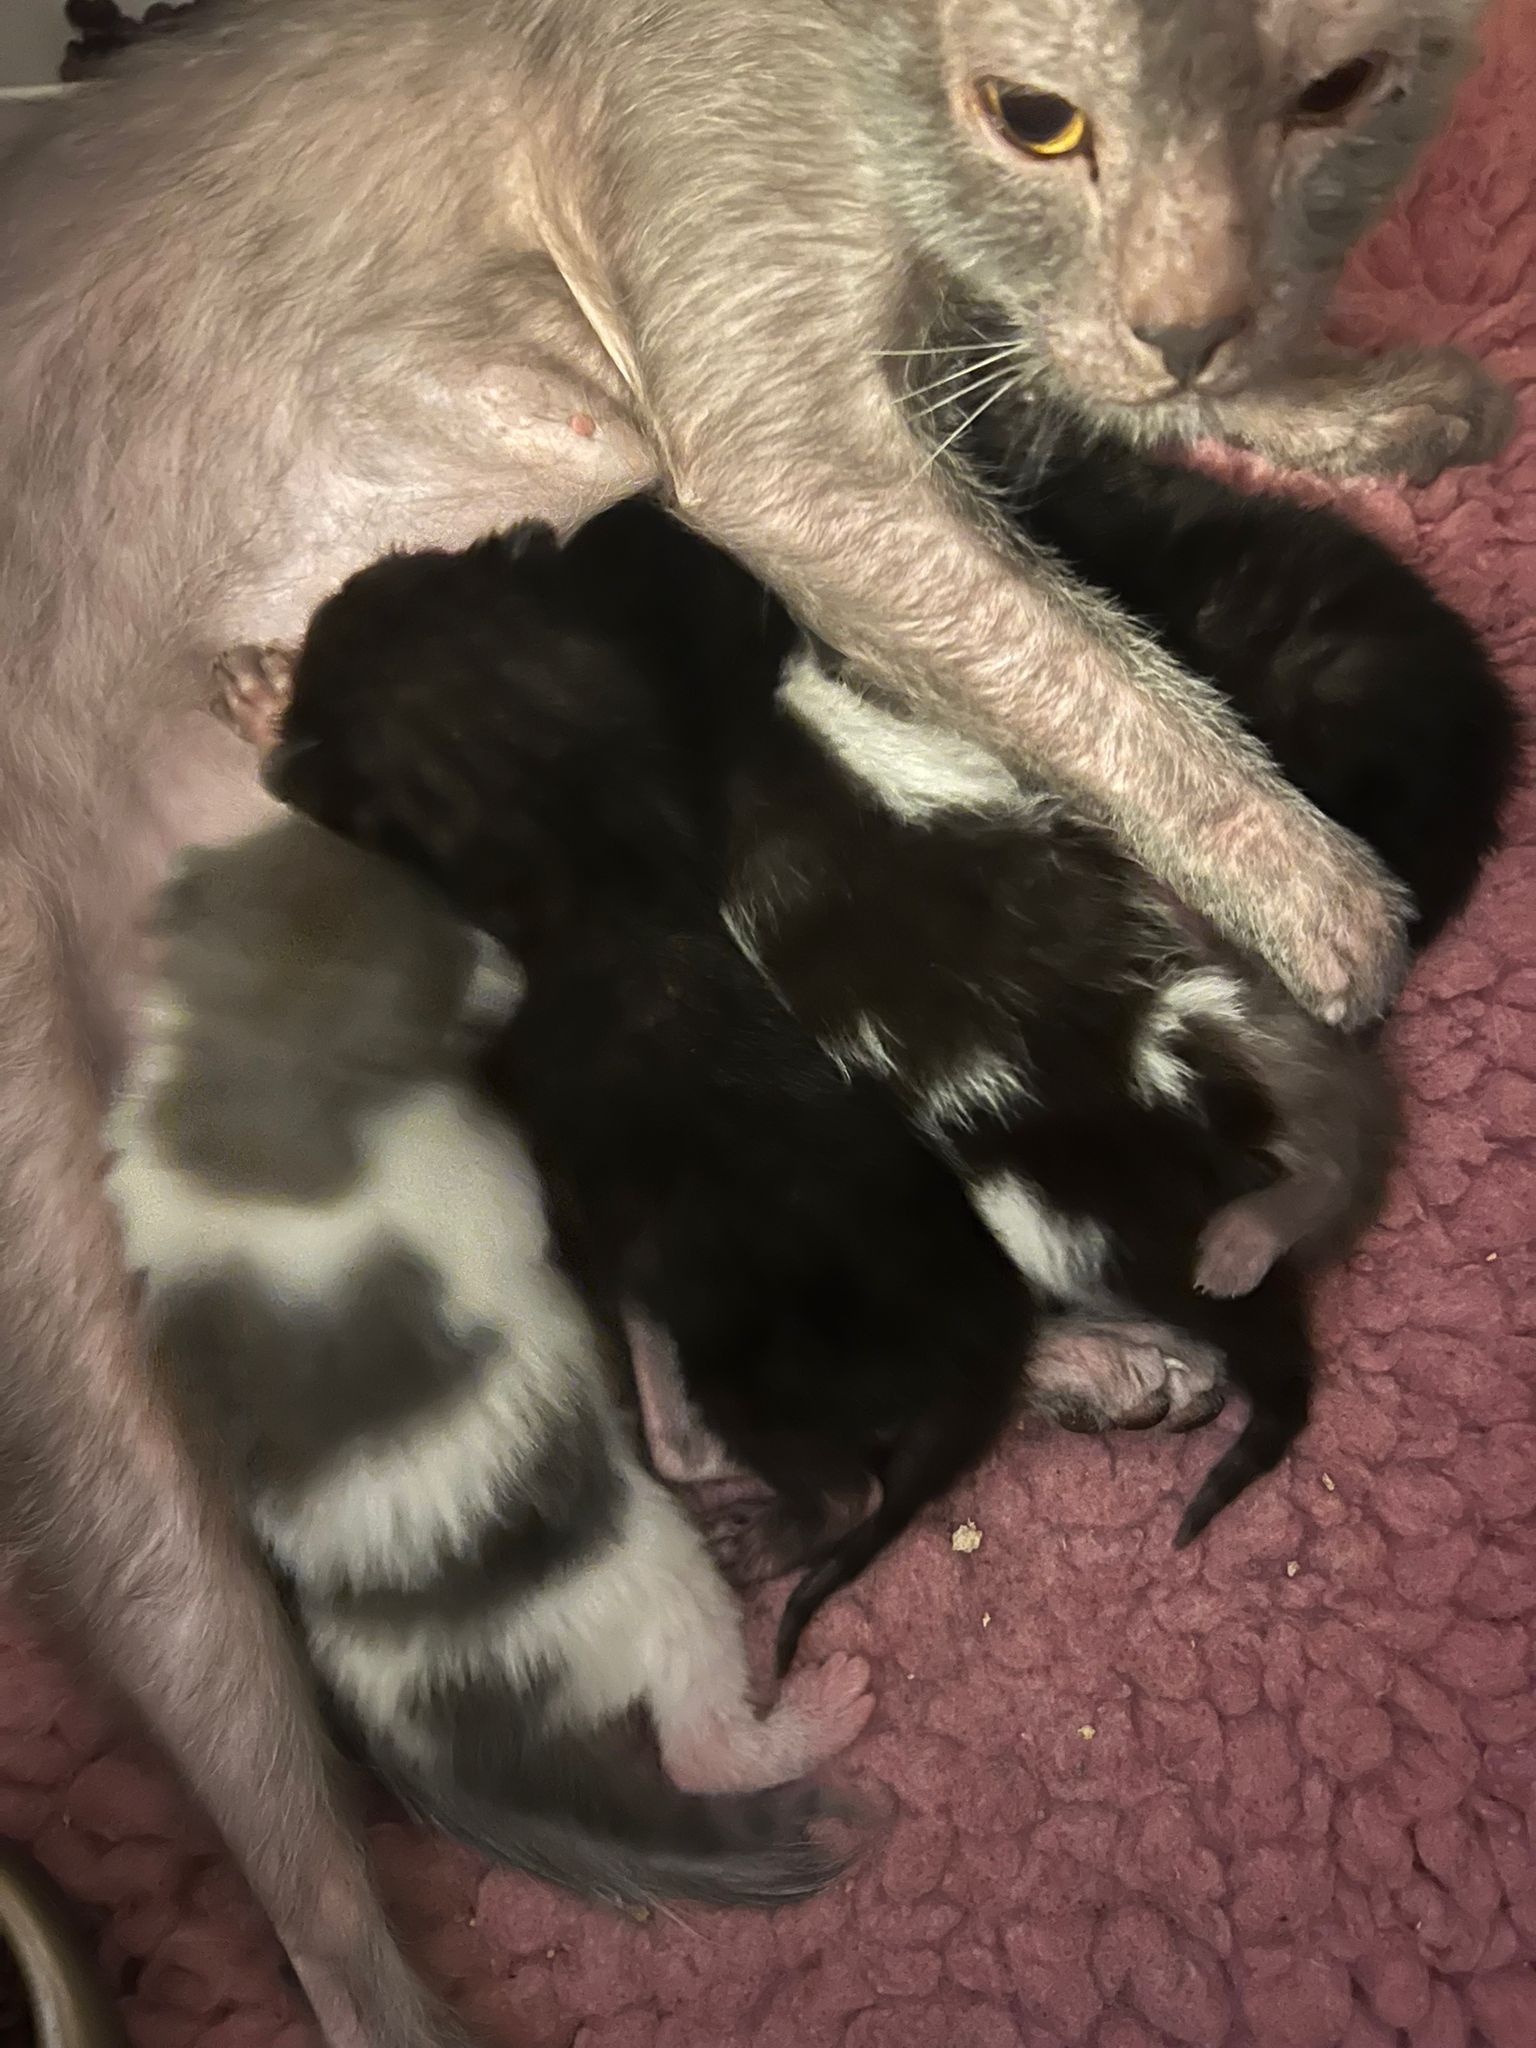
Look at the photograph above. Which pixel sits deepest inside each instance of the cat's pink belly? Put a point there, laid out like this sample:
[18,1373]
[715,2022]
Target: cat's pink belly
[531,446]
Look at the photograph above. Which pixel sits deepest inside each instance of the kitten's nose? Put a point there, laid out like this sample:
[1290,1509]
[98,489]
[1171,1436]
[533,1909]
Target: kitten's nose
[1187,350]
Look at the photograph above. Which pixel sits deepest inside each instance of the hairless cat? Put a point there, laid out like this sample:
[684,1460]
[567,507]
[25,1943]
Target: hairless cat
[308,281]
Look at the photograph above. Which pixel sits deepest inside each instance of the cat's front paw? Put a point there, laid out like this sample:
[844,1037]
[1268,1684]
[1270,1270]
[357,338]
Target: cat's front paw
[1444,411]
[1313,901]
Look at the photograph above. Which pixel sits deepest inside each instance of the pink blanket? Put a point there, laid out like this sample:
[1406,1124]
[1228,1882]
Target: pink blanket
[1277,1792]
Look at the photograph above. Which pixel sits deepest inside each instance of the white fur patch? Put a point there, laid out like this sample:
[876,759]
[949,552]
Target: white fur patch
[442,1178]
[1207,993]
[917,770]
[865,1049]
[745,918]
[1064,1259]
[981,1086]
[648,1618]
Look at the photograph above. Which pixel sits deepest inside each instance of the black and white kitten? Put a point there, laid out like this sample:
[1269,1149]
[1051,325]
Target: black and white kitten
[349,1283]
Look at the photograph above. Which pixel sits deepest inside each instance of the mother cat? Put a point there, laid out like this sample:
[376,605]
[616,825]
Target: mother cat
[313,280]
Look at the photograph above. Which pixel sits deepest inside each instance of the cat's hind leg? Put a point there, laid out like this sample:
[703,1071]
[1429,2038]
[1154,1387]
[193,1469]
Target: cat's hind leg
[697,1682]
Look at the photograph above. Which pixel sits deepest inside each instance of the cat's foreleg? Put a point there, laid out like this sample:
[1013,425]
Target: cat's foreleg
[791,449]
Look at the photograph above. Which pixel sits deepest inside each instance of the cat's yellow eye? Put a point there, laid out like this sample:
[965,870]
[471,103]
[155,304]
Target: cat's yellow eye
[1329,98]
[1040,123]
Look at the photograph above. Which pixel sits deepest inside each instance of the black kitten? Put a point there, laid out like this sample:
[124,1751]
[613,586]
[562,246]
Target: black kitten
[1372,694]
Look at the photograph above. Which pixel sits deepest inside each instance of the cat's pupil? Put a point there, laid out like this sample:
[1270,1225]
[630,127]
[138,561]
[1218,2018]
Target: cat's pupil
[1336,90]
[1040,121]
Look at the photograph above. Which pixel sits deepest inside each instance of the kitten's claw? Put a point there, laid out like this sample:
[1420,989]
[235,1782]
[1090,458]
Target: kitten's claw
[1089,1375]
[252,686]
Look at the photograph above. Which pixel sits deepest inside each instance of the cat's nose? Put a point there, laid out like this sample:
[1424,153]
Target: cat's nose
[1187,350]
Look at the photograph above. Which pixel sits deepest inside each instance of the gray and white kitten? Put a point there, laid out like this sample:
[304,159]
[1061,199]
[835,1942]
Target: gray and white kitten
[351,1290]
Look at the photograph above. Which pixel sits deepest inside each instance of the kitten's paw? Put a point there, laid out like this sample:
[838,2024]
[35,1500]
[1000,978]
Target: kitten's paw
[1237,1248]
[251,688]
[821,1710]
[817,1714]
[1446,411]
[1090,1375]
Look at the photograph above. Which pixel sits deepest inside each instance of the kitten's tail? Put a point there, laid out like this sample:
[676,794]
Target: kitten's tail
[839,1564]
[598,1816]
[1268,1350]
[926,1462]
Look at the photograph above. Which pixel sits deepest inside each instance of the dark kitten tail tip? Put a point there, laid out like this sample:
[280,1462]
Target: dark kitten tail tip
[1262,1442]
[839,1564]
[952,1438]
[799,1608]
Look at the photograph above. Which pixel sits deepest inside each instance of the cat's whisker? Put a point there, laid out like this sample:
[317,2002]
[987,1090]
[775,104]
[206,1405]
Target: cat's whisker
[964,395]
[961,348]
[968,422]
[954,402]
[966,370]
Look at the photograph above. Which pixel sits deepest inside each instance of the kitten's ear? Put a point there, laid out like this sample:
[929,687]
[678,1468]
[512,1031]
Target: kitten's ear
[533,541]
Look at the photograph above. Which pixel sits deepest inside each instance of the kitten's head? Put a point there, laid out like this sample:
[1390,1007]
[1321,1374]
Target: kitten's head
[1160,192]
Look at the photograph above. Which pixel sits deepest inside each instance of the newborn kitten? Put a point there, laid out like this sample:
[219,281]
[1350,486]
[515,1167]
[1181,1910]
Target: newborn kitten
[1110,1079]
[840,1313]
[1374,696]
[349,1285]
